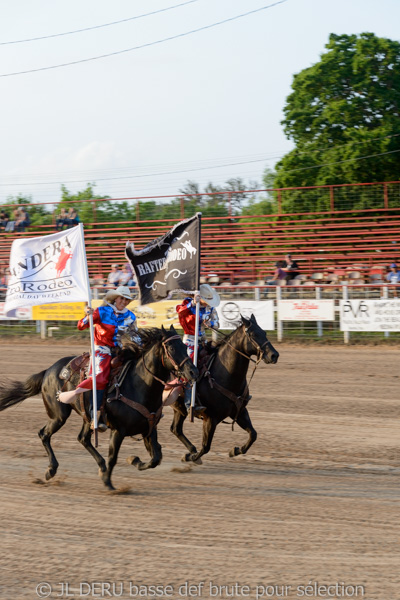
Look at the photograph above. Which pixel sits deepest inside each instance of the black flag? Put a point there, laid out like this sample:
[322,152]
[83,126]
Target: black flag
[171,262]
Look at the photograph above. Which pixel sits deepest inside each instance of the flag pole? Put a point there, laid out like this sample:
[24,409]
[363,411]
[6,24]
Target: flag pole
[92,349]
[195,354]
[197,325]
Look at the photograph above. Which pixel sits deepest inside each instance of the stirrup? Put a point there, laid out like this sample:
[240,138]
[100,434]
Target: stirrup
[102,427]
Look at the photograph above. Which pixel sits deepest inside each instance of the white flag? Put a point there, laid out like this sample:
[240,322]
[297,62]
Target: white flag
[48,269]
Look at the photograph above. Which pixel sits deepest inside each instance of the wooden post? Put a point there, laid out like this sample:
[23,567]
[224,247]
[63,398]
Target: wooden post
[332,198]
[385,196]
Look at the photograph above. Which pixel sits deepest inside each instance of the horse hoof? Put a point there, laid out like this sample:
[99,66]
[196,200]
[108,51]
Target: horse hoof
[234,452]
[50,473]
[186,457]
[133,460]
[197,462]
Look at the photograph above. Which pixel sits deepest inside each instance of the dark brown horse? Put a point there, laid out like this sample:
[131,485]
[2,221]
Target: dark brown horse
[224,390]
[147,366]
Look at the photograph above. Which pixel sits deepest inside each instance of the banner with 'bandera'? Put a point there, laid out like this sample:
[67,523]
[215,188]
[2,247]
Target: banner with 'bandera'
[48,269]
[171,262]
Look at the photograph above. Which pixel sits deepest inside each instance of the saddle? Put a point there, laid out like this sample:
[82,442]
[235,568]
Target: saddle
[80,365]
[175,388]
[76,365]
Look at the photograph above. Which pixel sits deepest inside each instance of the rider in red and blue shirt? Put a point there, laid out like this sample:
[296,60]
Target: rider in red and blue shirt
[209,299]
[109,320]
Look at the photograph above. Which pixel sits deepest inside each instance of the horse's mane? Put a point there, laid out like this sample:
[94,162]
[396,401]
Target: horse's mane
[134,348]
[224,340]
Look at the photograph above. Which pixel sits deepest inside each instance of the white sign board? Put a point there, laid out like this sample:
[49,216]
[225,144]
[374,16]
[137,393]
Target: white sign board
[306,310]
[370,315]
[17,314]
[229,313]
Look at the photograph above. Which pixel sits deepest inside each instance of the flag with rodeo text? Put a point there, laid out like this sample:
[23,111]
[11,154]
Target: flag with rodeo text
[47,269]
[171,262]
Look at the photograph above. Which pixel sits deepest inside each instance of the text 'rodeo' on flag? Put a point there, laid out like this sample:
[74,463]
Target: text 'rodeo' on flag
[48,269]
[171,262]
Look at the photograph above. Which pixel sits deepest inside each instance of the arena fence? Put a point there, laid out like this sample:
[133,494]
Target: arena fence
[347,314]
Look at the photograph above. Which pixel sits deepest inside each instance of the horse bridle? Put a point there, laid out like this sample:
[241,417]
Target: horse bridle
[177,367]
[260,349]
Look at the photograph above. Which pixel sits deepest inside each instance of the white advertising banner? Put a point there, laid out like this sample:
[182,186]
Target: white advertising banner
[370,315]
[18,314]
[229,313]
[306,310]
[47,269]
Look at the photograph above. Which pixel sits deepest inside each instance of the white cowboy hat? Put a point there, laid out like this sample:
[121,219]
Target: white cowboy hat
[122,290]
[209,295]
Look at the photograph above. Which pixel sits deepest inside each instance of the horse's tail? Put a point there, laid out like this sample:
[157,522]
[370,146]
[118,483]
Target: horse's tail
[16,392]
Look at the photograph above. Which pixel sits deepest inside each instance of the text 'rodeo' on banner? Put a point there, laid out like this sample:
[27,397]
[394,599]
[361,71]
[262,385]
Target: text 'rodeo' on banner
[47,269]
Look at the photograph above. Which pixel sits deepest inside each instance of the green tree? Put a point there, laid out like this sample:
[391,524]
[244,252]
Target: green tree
[343,109]
[89,212]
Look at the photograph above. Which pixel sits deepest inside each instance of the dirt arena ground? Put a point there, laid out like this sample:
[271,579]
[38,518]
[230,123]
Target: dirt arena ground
[314,503]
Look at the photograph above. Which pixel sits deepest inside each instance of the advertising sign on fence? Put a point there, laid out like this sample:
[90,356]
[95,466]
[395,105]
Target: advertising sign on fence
[229,313]
[16,314]
[306,310]
[64,311]
[370,315]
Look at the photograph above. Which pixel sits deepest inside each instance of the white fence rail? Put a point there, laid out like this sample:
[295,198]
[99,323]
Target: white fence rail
[347,313]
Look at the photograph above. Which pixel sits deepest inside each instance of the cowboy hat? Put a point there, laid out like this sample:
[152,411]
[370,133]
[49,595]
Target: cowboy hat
[122,290]
[209,295]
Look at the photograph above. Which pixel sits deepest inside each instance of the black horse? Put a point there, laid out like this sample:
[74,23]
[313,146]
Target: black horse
[223,389]
[136,409]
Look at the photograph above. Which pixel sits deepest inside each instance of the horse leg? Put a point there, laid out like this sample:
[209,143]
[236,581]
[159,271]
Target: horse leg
[209,426]
[245,423]
[177,429]
[85,438]
[53,425]
[116,440]
[153,448]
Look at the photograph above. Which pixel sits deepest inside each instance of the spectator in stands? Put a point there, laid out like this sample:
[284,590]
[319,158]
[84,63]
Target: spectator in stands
[113,279]
[4,219]
[290,267]
[62,219]
[23,220]
[279,274]
[394,275]
[72,218]
[127,277]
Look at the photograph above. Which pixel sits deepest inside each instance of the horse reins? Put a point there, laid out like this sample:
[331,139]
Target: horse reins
[260,351]
[154,418]
[177,367]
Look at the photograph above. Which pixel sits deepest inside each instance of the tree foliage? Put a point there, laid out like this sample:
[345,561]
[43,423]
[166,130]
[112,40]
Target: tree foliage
[343,109]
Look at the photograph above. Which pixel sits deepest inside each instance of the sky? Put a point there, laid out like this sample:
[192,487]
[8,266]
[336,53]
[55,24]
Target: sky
[204,107]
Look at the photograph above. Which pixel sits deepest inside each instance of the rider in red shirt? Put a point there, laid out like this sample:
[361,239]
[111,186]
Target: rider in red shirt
[209,300]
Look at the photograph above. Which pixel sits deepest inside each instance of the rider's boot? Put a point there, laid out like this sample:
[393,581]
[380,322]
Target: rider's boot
[188,400]
[101,425]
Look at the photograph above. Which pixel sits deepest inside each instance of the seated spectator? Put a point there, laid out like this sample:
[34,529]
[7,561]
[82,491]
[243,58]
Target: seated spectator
[4,219]
[291,268]
[114,278]
[62,219]
[279,274]
[394,275]
[127,277]
[23,220]
[72,218]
